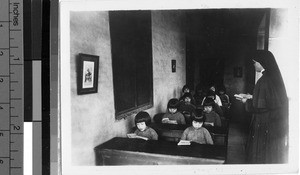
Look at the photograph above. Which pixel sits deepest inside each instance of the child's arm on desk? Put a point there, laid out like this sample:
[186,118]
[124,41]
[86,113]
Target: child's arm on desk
[134,136]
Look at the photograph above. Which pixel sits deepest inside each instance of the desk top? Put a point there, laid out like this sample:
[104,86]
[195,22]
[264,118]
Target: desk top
[165,126]
[165,148]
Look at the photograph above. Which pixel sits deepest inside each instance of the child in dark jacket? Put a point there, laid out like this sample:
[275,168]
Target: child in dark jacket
[200,94]
[197,133]
[187,108]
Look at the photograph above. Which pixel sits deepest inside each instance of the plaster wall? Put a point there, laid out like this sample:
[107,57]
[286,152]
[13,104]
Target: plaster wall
[168,41]
[93,115]
[93,120]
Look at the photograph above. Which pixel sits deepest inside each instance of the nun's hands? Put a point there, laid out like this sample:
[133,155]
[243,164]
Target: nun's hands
[243,97]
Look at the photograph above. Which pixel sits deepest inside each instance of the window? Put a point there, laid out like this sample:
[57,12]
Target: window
[131,44]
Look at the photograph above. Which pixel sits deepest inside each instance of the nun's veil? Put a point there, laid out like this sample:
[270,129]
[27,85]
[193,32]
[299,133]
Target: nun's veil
[267,60]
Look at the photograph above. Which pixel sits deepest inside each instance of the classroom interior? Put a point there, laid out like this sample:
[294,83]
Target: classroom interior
[209,46]
[206,45]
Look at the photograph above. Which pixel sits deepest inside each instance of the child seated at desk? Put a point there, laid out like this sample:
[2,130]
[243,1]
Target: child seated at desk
[187,108]
[173,116]
[197,133]
[186,90]
[142,120]
[211,117]
[212,95]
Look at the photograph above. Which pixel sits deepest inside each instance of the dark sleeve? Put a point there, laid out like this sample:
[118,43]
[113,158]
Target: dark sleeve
[218,110]
[218,120]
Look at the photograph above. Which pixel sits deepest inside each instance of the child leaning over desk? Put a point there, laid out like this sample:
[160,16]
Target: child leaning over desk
[173,116]
[197,133]
[142,120]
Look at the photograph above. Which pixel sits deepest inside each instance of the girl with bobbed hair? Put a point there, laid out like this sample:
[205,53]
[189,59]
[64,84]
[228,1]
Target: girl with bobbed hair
[173,116]
[142,121]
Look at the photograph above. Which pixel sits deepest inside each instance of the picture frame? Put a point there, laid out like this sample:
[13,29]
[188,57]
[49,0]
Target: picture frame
[87,73]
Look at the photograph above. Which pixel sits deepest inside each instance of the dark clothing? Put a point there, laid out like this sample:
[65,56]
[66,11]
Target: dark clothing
[187,109]
[267,142]
[225,100]
[181,99]
[198,99]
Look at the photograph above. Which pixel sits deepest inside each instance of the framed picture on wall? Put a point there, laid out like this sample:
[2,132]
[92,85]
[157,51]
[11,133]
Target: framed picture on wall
[87,74]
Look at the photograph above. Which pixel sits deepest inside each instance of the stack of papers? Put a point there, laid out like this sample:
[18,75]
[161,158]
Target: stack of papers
[184,142]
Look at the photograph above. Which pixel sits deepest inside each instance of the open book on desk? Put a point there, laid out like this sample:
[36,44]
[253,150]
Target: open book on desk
[167,120]
[133,135]
[184,142]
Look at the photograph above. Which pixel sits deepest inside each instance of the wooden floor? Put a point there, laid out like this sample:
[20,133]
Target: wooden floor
[237,138]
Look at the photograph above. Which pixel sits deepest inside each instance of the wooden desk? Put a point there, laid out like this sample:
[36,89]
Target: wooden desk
[125,151]
[171,132]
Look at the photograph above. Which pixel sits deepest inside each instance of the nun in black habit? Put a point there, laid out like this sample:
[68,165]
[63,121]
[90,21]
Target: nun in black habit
[268,137]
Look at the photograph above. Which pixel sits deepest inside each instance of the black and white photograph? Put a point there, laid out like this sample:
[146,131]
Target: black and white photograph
[228,105]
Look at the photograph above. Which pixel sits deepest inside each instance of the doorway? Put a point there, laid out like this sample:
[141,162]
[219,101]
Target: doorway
[218,42]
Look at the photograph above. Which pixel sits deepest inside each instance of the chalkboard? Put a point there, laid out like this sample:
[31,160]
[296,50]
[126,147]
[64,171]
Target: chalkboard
[131,43]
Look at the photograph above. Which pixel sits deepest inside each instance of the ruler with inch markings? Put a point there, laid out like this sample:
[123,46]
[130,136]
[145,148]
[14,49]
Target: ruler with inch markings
[11,87]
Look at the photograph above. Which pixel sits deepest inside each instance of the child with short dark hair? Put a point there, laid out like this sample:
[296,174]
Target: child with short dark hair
[142,120]
[211,117]
[197,133]
[186,90]
[224,97]
[173,116]
[216,107]
[187,108]
[212,94]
